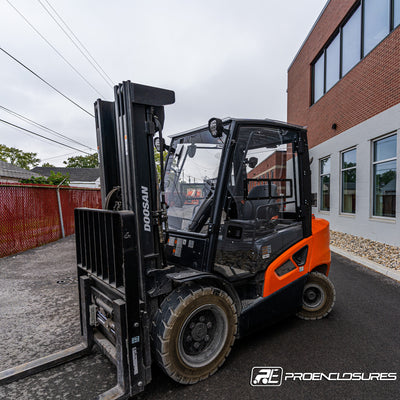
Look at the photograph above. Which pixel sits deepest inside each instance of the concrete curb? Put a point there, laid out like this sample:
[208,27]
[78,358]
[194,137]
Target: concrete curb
[389,272]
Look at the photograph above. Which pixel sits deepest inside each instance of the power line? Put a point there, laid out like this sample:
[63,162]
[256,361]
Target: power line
[47,83]
[54,48]
[99,70]
[61,155]
[51,131]
[44,137]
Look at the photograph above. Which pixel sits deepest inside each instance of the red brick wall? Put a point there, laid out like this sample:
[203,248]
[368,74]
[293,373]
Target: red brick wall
[275,162]
[371,87]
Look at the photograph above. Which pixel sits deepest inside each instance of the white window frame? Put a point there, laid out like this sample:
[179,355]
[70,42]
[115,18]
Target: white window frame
[341,181]
[373,163]
[320,175]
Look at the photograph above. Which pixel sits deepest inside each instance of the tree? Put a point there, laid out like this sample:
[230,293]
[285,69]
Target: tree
[48,165]
[53,179]
[18,157]
[89,161]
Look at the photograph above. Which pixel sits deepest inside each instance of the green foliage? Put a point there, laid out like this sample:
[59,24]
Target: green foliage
[387,177]
[18,157]
[53,179]
[89,161]
[48,165]
[157,161]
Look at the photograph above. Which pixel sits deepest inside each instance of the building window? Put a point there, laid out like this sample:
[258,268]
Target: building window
[351,37]
[384,176]
[349,174]
[396,13]
[376,22]
[367,25]
[333,63]
[325,184]
[319,68]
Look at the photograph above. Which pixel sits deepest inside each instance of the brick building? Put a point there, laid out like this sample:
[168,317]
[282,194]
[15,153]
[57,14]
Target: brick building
[273,167]
[344,85]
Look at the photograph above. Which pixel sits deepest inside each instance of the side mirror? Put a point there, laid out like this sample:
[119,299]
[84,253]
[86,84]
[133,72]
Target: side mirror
[252,162]
[216,127]
[192,150]
[160,145]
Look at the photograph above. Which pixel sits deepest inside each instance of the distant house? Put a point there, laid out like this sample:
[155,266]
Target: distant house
[80,177]
[11,173]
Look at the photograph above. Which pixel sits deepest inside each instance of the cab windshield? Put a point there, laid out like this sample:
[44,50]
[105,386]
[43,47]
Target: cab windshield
[190,179]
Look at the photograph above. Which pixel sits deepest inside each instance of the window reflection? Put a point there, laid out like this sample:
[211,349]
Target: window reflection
[384,178]
[325,184]
[396,12]
[333,63]
[349,176]
[351,42]
[319,78]
[376,22]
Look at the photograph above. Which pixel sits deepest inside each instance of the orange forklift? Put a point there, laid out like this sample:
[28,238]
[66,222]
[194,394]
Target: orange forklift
[174,281]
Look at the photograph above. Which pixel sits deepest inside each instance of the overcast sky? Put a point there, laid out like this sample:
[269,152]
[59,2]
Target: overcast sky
[222,58]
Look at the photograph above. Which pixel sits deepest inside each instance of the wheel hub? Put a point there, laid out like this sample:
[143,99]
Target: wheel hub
[199,332]
[203,335]
[313,296]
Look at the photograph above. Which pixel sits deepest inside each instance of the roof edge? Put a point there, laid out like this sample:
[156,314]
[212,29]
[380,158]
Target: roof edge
[309,33]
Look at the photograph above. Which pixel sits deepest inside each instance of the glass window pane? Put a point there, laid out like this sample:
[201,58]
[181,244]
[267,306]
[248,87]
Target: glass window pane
[332,63]
[325,184]
[349,159]
[351,42]
[319,78]
[349,191]
[396,13]
[385,148]
[325,193]
[325,166]
[376,22]
[385,189]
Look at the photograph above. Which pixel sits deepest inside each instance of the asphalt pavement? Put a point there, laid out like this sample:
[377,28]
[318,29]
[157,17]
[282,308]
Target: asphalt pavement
[39,315]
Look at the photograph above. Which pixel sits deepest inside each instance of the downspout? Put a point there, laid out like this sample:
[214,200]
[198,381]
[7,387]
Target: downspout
[60,209]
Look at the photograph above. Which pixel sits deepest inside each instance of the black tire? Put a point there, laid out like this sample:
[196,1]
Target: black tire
[319,297]
[193,332]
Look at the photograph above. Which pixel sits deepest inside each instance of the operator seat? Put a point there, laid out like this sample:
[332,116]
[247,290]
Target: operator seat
[258,205]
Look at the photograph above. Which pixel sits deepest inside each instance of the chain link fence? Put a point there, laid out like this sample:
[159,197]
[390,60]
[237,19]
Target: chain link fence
[30,214]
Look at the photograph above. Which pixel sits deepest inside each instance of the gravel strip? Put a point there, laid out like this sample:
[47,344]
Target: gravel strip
[383,254]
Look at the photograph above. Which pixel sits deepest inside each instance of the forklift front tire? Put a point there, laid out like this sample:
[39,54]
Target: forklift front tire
[319,297]
[193,332]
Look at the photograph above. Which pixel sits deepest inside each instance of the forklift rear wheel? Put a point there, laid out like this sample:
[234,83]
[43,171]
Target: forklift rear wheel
[193,332]
[319,297]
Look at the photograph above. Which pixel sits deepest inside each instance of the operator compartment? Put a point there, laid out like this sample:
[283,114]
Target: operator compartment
[262,217]
[255,171]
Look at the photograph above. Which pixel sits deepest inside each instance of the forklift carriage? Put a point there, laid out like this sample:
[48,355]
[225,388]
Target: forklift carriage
[175,271]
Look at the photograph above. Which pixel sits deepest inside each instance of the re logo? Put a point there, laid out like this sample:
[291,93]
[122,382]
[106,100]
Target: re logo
[266,376]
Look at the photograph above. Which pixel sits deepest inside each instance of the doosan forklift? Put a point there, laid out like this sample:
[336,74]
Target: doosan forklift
[194,251]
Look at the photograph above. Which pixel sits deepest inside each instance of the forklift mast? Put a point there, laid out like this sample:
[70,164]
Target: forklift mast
[117,245]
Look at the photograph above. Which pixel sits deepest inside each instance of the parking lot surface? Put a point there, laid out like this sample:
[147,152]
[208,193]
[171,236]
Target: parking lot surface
[40,315]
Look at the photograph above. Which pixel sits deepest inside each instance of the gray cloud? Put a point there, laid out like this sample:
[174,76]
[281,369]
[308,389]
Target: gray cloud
[222,58]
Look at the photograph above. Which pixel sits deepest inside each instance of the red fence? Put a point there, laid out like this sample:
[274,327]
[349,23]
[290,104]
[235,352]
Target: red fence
[29,214]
